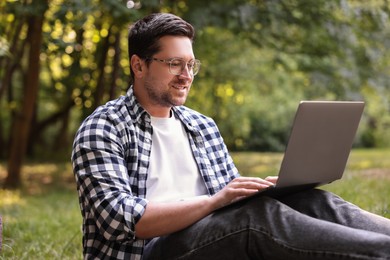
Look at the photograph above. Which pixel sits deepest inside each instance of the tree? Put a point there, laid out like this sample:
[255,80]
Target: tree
[259,58]
[337,49]
[23,117]
[64,54]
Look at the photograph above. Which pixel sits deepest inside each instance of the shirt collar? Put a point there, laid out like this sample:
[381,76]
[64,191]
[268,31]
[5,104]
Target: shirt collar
[136,111]
[185,117]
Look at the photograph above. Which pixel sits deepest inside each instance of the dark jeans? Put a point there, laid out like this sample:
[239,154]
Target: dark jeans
[313,224]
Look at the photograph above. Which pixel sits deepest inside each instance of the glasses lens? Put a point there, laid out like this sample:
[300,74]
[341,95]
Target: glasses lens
[177,66]
[195,67]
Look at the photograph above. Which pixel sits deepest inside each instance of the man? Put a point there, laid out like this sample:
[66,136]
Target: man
[154,177]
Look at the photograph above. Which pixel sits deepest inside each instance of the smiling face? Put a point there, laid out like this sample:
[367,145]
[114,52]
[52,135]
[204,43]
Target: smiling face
[155,87]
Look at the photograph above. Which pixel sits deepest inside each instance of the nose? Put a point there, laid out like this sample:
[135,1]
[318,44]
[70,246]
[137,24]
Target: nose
[186,73]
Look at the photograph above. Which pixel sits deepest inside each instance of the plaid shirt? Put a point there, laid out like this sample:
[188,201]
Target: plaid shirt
[111,155]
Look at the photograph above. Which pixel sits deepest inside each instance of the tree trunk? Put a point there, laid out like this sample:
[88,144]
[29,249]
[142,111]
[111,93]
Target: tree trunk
[22,121]
[115,67]
[8,66]
[61,142]
[101,82]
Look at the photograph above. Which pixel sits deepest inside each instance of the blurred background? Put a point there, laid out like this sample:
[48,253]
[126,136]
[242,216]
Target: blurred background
[61,59]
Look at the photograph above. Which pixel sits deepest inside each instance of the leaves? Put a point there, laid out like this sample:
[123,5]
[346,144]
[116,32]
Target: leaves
[259,59]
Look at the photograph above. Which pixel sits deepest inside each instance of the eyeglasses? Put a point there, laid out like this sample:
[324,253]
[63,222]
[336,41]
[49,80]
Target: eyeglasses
[177,65]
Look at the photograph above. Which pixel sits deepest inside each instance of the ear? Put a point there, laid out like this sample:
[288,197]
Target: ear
[137,65]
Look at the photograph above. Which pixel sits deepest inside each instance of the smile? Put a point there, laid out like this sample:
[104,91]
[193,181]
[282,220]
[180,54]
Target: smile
[179,87]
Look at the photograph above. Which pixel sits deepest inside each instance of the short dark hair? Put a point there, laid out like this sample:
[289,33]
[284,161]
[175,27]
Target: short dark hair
[144,35]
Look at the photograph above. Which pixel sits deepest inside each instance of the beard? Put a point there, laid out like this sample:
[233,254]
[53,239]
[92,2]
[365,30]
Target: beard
[168,95]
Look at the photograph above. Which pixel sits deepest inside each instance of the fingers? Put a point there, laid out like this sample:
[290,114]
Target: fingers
[242,187]
[254,181]
[272,179]
[245,186]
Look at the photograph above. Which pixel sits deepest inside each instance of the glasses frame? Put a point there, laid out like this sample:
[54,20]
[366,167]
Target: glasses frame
[196,64]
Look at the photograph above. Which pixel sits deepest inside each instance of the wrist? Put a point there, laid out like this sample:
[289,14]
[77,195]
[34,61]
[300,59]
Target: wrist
[216,203]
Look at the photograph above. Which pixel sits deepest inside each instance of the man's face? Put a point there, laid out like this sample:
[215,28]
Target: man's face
[161,89]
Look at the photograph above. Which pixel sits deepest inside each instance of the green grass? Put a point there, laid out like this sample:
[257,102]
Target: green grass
[366,180]
[42,220]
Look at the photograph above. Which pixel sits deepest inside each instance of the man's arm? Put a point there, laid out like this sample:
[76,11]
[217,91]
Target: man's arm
[161,218]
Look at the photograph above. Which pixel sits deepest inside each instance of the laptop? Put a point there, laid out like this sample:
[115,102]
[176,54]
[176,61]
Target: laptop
[319,145]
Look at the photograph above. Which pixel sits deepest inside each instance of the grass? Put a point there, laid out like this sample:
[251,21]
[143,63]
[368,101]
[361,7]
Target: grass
[42,220]
[365,182]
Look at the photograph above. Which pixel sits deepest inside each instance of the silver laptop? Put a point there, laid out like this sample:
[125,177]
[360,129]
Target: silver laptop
[319,145]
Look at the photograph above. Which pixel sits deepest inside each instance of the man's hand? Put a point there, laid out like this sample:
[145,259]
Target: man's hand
[161,218]
[240,188]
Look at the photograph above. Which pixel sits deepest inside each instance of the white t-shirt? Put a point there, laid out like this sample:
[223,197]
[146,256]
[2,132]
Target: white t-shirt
[173,172]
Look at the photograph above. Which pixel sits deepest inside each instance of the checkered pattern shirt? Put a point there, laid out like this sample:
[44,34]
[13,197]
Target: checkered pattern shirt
[110,158]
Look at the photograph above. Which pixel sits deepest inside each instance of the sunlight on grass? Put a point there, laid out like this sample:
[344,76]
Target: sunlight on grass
[257,164]
[10,198]
[361,159]
[43,221]
[44,227]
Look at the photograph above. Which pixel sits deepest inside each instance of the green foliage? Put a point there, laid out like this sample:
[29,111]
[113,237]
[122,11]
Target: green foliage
[375,132]
[331,50]
[240,100]
[259,59]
